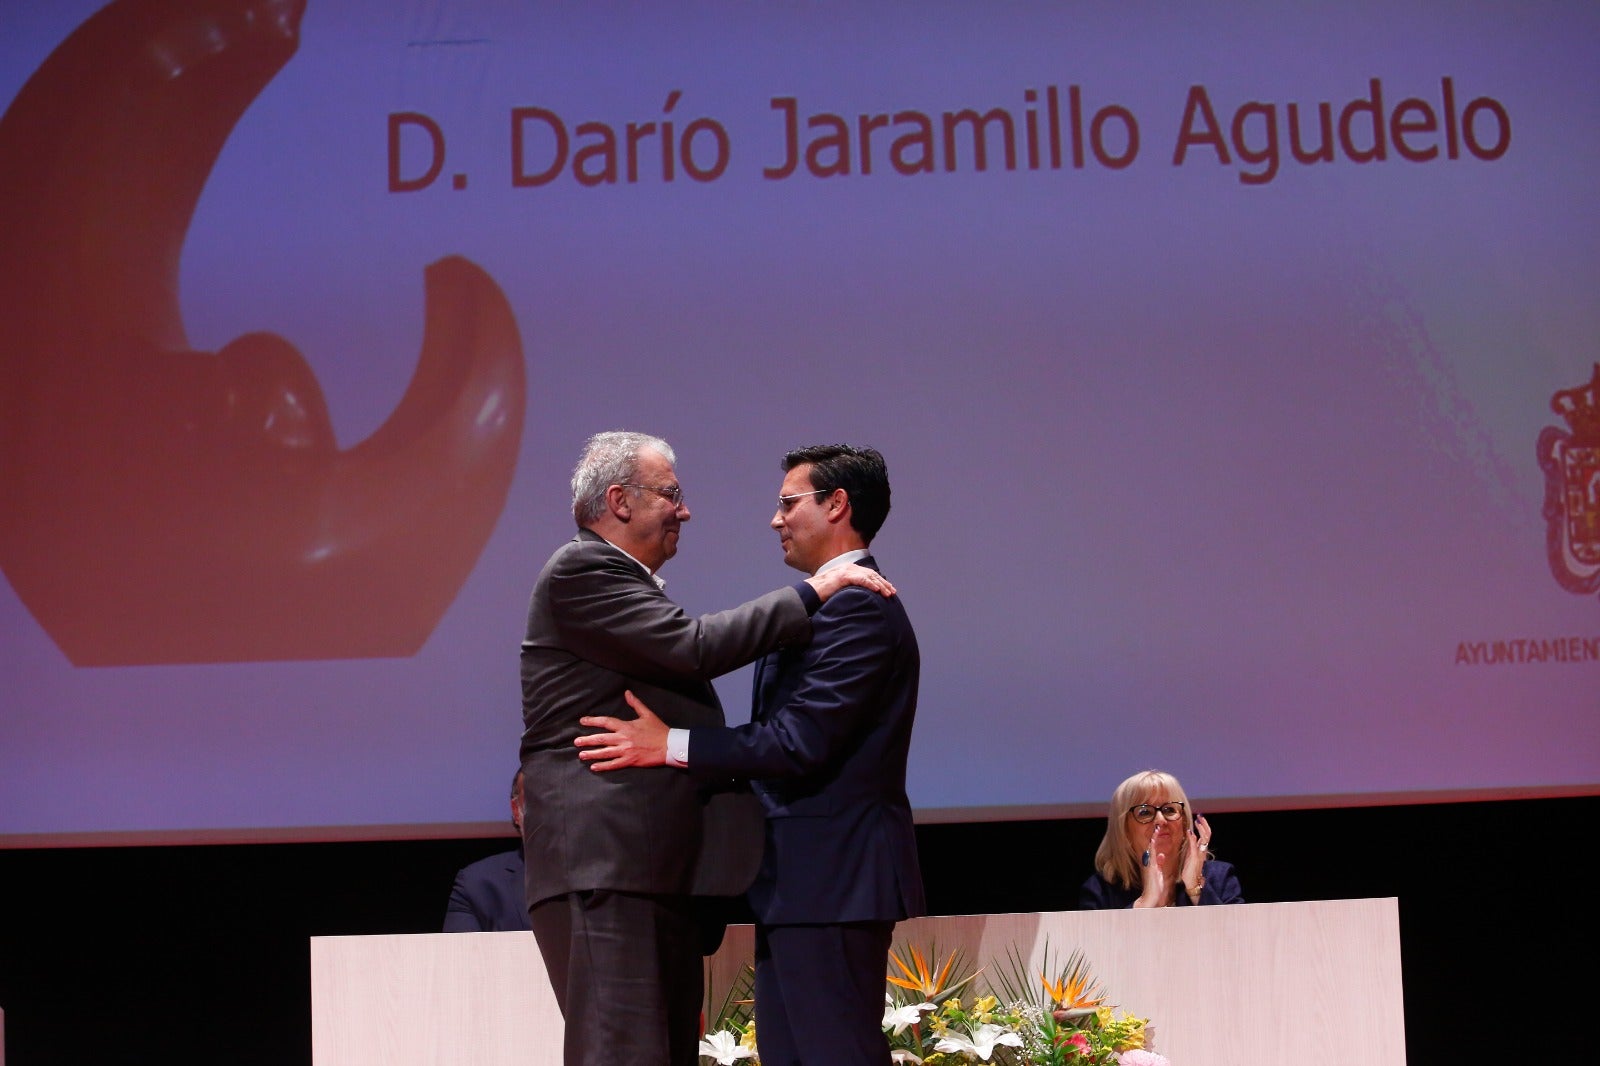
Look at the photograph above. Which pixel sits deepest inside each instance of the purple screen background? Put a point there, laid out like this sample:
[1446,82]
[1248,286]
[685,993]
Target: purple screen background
[1188,473]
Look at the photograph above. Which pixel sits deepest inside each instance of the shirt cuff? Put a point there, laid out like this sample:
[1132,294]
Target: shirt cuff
[809,597]
[678,748]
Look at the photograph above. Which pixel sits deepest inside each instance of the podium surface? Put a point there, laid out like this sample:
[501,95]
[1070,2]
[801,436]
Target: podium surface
[1257,984]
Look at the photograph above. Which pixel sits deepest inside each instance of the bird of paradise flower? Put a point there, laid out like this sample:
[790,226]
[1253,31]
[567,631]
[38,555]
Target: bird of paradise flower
[926,981]
[1069,987]
[916,989]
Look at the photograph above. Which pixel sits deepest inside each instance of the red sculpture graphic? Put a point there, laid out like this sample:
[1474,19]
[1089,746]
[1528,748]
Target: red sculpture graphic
[163,505]
[1571,464]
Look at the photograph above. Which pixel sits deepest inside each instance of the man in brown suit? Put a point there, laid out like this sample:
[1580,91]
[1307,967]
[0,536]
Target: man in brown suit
[615,861]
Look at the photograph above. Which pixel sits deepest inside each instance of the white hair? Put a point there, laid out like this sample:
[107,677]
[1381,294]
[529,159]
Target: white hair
[609,458]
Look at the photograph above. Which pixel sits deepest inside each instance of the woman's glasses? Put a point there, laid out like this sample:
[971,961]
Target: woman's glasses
[1144,814]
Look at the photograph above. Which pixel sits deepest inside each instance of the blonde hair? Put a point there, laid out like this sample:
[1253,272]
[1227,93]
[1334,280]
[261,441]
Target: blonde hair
[1116,858]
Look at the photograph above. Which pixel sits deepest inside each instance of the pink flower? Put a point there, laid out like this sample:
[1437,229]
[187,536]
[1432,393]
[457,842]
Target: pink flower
[1077,1041]
[1140,1057]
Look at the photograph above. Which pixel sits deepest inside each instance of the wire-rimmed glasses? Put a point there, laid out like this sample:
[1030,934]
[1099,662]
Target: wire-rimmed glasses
[673,494]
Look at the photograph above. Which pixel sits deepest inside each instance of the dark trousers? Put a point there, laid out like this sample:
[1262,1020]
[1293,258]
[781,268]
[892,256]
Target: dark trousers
[819,994]
[627,974]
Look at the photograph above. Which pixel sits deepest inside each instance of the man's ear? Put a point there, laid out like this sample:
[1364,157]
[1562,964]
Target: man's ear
[838,502]
[617,503]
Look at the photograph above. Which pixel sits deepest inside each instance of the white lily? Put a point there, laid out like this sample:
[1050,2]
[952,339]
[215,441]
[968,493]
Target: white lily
[900,1054]
[982,1042]
[724,1047]
[896,1019]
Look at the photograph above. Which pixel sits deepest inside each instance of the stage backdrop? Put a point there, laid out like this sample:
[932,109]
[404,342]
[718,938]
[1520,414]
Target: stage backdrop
[1235,364]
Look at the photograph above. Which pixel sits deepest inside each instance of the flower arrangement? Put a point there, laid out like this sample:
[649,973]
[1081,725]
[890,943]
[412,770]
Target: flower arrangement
[934,1016]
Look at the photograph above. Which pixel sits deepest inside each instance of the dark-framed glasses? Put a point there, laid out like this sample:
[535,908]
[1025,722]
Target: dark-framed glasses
[1144,814]
[786,502]
[673,494]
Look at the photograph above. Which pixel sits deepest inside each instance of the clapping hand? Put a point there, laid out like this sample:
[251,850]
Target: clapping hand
[1156,878]
[1194,858]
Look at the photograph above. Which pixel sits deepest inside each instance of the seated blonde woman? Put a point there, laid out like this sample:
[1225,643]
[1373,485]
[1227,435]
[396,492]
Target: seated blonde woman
[1155,852]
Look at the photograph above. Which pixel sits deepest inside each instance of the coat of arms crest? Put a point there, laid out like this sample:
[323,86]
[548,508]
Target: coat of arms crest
[1571,464]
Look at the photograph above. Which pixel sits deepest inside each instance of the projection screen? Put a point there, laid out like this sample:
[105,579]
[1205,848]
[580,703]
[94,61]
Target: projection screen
[1236,366]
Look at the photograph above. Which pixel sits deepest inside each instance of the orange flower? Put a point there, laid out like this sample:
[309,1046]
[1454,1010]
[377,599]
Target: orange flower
[917,976]
[1074,988]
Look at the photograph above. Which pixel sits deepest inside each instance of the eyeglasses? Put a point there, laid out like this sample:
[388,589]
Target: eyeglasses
[673,494]
[1144,814]
[787,502]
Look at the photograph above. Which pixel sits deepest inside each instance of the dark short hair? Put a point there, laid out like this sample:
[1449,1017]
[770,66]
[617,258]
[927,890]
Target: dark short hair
[861,472]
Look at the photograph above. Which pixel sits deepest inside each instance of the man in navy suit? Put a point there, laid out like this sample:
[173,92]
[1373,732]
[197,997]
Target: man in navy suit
[488,895]
[826,750]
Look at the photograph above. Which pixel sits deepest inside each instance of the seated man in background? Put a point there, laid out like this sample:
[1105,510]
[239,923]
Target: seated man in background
[488,895]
